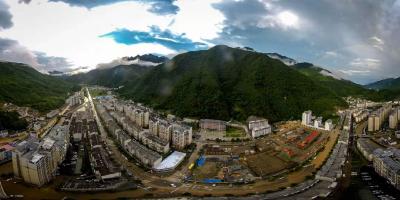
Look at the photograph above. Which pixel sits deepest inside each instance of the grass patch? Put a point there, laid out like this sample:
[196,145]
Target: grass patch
[234,132]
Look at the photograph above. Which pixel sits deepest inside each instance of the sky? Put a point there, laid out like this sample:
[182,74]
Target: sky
[357,39]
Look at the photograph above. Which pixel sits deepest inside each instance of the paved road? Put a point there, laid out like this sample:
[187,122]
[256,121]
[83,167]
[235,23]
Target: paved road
[305,189]
[3,194]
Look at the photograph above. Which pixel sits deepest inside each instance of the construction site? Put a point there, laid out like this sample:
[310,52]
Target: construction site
[270,157]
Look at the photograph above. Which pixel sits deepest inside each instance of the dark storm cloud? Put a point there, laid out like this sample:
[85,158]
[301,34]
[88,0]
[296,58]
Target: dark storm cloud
[357,37]
[12,51]
[51,63]
[5,16]
[161,7]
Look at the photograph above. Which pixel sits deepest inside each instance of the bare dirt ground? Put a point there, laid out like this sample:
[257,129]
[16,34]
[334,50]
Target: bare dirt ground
[264,163]
[323,155]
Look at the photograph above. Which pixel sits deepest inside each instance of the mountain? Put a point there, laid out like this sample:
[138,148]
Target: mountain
[142,60]
[55,73]
[110,77]
[119,71]
[286,60]
[390,83]
[24,86]
[331,81]
[148,59]
[225,83]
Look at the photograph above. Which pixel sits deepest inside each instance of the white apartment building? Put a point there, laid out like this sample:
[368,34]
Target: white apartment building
[260,131]
[328,125]
[306,117]
[258,126]
[318,122]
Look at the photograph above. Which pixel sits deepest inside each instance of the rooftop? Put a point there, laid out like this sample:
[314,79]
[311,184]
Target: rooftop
[36,157]
[367,145]
[171,161]
[47,143]
[390,157]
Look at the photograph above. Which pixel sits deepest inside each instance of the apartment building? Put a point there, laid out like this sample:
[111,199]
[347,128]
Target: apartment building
[254,122]
[393,119]
[155,143]
[367,148]
[306,117]
[100,160]
[387,164]
[376,118]
[260,131]
[36,162]
[160,128]
[258,126]
[5,153]
[212,125]
[371,123]
[181,136]
[143,154]
[328,125]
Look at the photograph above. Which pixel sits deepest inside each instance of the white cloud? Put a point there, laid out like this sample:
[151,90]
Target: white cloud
[198,19]
[366,63]
[377,43]
[288,19]
[73,32]
[351,72]
[280,19]
[331,54]
[377,40]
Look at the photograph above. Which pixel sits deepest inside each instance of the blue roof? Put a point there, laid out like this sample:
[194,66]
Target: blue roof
[212,180]
[201,161]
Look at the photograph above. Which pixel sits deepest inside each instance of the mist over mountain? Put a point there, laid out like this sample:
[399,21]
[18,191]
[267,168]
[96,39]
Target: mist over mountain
[142,60]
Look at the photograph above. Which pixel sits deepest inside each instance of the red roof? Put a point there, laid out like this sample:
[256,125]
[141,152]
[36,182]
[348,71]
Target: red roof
[311,137]
[308,139]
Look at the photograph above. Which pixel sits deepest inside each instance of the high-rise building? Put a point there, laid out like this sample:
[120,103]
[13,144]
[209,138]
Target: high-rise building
[306,118]
[328,125]
[318,122]
[181,136]
[37,162]
[371,123]
[377,123]
[393,120]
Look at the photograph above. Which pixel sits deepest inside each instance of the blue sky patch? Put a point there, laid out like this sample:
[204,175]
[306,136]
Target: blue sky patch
[157,36]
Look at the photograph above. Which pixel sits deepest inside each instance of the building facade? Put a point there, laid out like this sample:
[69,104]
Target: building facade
[212,125]
[306,117]
[387,164]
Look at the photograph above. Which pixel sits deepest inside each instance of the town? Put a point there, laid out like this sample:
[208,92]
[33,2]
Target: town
[103,143]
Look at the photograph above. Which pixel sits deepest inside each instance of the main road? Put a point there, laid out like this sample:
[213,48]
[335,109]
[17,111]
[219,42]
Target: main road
[162,184]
